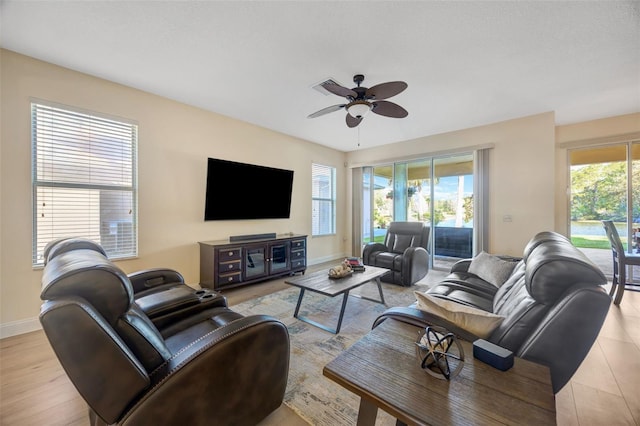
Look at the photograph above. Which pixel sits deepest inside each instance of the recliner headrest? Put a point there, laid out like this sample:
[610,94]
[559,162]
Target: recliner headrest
[555,265]
[62,245]
[88,274]
[542,237]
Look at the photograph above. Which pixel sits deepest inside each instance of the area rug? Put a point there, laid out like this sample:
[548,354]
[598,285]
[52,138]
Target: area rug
[311,395]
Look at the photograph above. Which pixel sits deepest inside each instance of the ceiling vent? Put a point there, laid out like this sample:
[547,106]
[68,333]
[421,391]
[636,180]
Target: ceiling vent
[320,86]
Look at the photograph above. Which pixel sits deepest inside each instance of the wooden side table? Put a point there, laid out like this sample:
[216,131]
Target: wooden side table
[383,370]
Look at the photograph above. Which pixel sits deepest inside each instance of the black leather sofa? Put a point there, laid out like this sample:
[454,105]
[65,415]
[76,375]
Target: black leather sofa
[404,253]
[211,367]
[553,304]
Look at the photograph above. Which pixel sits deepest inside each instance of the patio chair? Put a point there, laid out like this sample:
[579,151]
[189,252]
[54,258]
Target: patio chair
[621,259]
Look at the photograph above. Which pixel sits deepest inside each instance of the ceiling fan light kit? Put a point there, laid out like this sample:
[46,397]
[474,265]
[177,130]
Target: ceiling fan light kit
[361,100]
[358,109]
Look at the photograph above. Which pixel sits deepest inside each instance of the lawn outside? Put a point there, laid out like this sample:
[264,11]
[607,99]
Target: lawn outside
[590,234]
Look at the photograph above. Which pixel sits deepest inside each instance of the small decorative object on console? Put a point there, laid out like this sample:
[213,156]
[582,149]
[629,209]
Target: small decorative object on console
[439,352]
[340,271]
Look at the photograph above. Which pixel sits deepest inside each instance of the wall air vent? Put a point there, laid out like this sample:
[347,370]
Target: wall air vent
[320,86]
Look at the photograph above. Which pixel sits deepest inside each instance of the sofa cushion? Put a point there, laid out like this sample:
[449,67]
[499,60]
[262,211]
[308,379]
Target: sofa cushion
[467,289]
[476,321]
[491,268]
[387,260]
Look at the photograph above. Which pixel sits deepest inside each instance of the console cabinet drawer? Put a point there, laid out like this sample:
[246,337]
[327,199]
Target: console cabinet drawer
[226,279]
[298,264]
[226,255]
[298,254]
[298,244]
[229,266]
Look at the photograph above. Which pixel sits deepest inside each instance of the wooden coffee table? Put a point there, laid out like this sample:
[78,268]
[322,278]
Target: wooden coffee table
[383,370]
[319,282]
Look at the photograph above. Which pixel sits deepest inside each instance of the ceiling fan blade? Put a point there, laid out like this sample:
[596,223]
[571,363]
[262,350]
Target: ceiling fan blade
[385,90]
[336,89]
[352,121]
[389,109]
[326,110]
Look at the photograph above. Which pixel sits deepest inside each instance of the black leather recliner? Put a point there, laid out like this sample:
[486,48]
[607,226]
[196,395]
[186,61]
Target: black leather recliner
[214,366]
[553,305]
[405,253]
[161,293]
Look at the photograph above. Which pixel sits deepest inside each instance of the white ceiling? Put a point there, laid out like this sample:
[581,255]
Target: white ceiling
[465,63]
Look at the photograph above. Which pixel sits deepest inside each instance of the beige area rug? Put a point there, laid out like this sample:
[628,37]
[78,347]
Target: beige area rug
[311,395]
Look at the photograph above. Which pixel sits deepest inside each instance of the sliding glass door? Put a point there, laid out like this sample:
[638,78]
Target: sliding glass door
[453,209]
[437,191]
[605,185]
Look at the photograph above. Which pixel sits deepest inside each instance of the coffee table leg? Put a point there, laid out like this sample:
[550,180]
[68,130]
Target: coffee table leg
[380,290]
[367,413]
[295,313]
[345,297]
[342,308]
[379,284]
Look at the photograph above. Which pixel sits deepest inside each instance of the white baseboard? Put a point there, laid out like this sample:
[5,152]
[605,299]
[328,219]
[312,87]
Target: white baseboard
[318,260]
[14,328]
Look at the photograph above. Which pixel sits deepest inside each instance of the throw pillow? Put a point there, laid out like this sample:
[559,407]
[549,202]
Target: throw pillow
[476,321]
[491,268]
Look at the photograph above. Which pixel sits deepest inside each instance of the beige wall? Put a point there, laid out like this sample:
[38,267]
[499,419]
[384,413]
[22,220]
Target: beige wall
[521,178]
[174,143]
[527,175]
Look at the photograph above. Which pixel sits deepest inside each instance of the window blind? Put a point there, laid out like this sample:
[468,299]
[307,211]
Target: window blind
[323,195]
[84,179]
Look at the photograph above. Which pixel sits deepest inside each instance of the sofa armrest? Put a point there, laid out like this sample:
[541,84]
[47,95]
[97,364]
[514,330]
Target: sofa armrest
[419,318]
[251,353]
[415,265]
[150,279]
[461,265]
[565,335]
[369,249]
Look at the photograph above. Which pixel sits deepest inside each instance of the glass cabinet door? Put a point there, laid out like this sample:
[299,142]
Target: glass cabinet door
[255,264]
[279,257]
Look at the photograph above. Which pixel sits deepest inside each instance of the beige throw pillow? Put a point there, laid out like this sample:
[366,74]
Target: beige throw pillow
[492,269]
[476,321]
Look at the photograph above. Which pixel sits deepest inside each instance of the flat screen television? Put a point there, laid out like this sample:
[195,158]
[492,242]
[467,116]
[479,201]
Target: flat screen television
[237,191]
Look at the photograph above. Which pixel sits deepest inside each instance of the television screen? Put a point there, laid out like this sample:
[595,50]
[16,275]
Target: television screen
[247,191]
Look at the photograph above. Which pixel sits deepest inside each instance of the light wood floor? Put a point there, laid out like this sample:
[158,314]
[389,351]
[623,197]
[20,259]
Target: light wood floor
[34,389]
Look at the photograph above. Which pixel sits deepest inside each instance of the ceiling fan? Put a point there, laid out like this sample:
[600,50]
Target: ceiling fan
[361,100]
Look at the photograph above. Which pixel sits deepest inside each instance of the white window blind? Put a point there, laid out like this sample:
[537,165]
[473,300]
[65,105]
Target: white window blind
[323,195]
[84,179]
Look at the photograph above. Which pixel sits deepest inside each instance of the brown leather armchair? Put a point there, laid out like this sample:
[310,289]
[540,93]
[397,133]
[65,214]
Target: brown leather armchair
[404,253]
[212,367]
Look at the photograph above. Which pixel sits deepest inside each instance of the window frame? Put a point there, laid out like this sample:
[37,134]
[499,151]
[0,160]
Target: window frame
[126,146]
[318,170]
